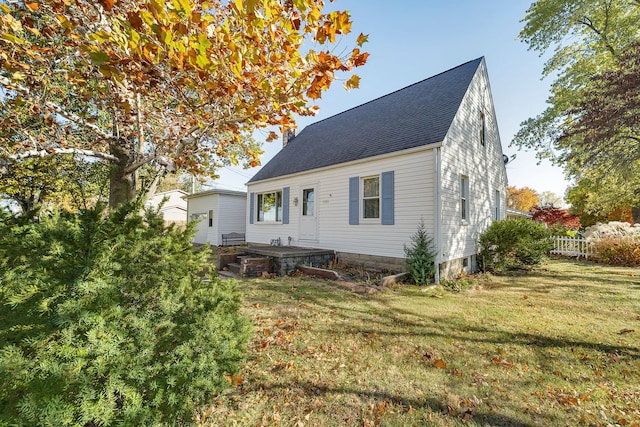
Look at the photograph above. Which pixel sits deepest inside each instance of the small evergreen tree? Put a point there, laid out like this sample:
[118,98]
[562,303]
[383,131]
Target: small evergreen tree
[106,321]
[420,257]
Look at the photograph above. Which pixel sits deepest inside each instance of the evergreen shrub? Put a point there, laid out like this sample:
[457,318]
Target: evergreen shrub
[105,320]
[513,244]
[420,257]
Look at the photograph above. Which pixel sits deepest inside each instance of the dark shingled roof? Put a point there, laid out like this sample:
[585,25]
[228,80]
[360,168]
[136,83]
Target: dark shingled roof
[417,115]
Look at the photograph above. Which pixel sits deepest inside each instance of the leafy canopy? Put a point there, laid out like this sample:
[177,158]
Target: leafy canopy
[593,205]
[522,199]
[551,215]
[591,124]
[178,83]
[64,181]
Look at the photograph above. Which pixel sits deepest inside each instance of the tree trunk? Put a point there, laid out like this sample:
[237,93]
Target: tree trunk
[122,187]
[635,214]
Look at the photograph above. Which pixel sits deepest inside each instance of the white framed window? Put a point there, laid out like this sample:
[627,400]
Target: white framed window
[269,207]
[483,129]
[371,197]
[464,198]
[198,216]
[210,218]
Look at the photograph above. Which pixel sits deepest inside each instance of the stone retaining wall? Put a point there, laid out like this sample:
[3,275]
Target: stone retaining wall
[285,265]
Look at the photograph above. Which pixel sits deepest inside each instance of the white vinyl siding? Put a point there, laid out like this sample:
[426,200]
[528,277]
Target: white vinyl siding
[413,199]
[226,212]
[463,154]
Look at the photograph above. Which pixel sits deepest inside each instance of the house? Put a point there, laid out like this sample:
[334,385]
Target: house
[360,182]
[172,204]
[516,213]
[219,212]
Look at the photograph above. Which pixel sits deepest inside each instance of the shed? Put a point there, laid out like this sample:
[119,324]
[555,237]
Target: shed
[172,204]
[219,212]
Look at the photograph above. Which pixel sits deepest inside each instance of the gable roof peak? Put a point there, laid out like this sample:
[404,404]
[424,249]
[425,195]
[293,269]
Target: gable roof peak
[477,60]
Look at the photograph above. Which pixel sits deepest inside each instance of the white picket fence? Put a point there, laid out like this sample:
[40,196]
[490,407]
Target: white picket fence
[572,246]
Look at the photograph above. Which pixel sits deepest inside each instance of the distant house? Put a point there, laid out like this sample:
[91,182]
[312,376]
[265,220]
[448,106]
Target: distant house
[360,182]
[516,213]
[218,212]
[173,206]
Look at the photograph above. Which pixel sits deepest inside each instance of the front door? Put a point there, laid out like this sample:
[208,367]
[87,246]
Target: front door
[309,214]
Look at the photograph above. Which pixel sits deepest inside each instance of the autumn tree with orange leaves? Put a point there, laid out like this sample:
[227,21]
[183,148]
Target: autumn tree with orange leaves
[176,84]
[522,199]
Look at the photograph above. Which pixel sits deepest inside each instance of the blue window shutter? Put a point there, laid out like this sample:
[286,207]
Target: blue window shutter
[285,205]
[354,200]
[252,207]
[388,208]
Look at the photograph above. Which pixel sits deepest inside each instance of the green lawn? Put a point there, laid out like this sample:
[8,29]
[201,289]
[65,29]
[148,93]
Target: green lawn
[560,346]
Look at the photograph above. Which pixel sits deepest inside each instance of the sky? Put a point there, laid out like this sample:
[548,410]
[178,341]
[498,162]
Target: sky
[411,40]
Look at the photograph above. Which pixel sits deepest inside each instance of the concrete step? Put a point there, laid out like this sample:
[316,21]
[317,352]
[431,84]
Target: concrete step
[234,268]
[223,274]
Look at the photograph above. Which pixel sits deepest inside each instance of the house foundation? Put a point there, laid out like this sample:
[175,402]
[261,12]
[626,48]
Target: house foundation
[372,262]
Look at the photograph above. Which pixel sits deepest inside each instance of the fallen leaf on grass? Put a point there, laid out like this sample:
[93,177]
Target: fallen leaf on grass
[440,364]
[625,331]
[497,360]
[234,380]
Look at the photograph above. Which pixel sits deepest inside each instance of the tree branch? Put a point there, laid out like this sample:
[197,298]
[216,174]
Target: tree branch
[56,151]
[589,24]
[162,161]
[58,109]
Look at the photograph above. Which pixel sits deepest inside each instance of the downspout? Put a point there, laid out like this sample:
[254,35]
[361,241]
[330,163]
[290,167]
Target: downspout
[438,216]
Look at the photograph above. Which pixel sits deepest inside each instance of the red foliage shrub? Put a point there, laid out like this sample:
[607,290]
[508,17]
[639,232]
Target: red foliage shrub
[551,215]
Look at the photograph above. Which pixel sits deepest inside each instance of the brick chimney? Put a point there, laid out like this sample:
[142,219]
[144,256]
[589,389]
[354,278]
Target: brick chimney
[288,135]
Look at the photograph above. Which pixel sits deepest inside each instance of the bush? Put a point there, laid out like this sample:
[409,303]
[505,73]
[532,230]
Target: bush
[420,257]
[105,321]
[513,244]
[624,251]
[561,230]
[611,229]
